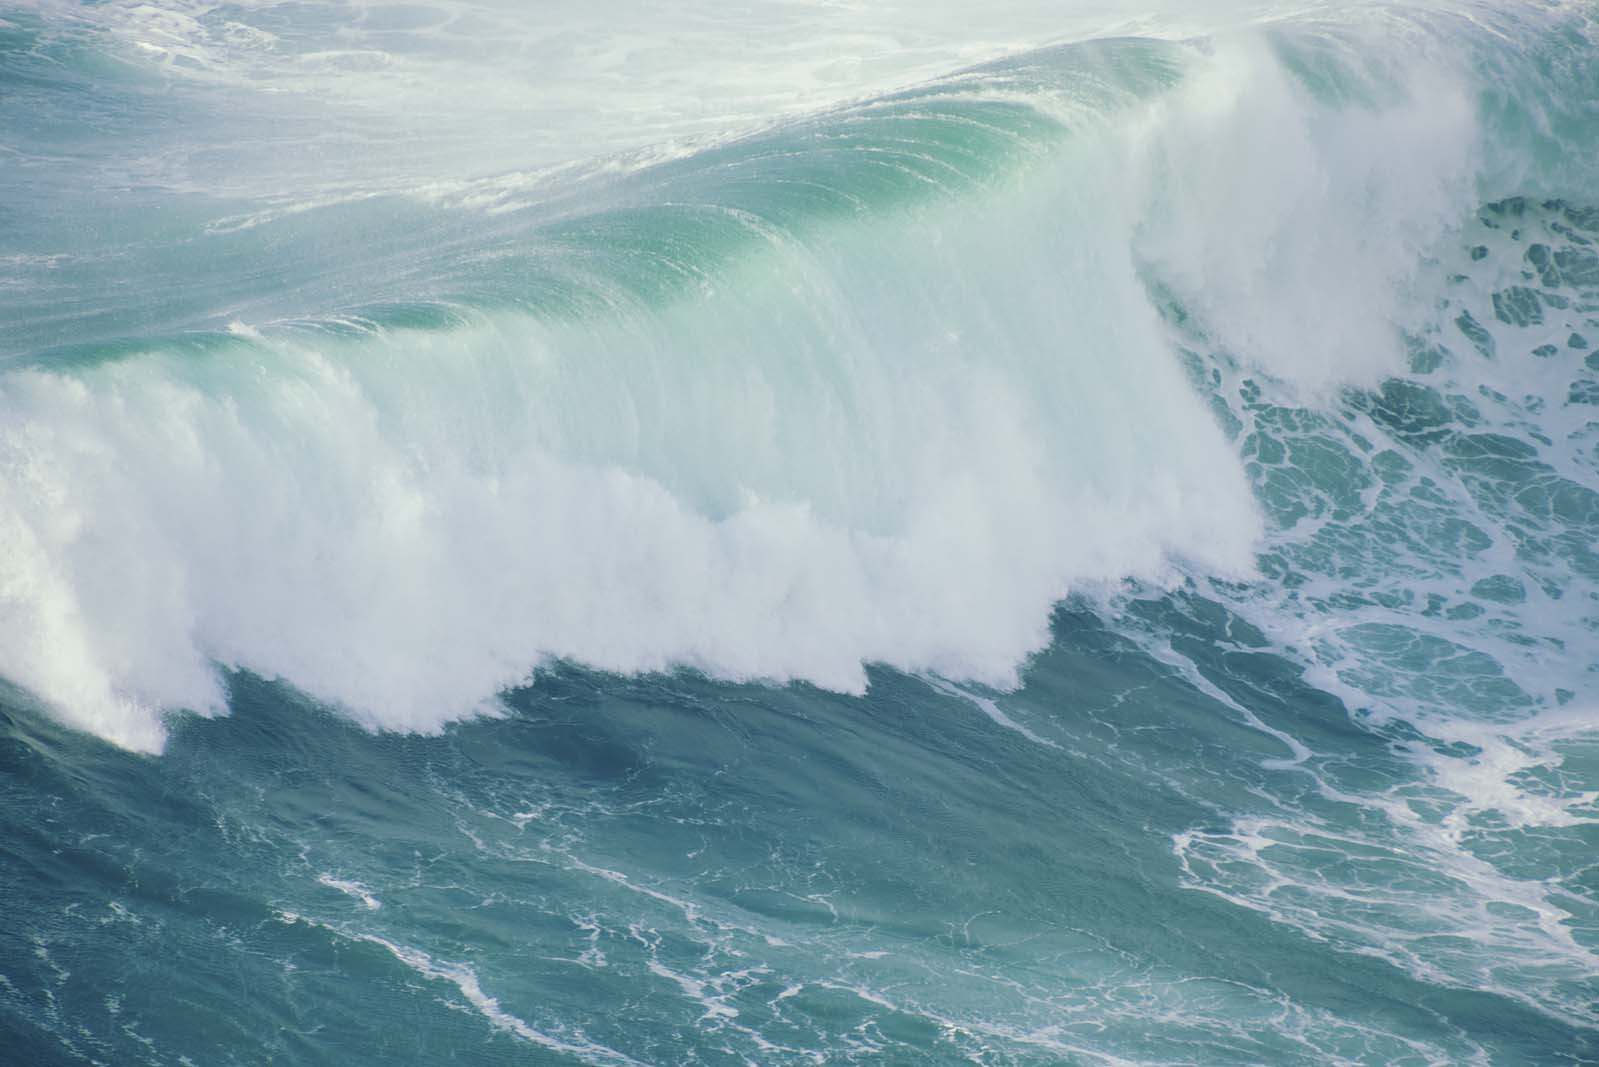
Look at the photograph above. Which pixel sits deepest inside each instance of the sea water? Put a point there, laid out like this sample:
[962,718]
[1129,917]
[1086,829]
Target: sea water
[799,534]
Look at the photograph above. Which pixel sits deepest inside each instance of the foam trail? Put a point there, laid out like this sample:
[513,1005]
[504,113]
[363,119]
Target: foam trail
[988,706]
[465,980]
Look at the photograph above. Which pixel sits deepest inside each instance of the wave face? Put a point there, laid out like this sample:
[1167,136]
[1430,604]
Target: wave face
[994,550]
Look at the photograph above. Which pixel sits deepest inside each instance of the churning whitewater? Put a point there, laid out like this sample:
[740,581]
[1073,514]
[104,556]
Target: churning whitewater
[799,534]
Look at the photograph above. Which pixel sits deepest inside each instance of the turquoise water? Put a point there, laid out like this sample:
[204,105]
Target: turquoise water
[1074,544]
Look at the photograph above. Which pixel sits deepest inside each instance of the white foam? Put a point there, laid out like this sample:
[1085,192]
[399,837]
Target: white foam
[351,889]
[1459,873]
[1293,230]
[989,707]
[900,445]
[466,982]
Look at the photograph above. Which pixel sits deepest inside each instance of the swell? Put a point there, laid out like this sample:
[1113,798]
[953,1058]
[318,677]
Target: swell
[879,386]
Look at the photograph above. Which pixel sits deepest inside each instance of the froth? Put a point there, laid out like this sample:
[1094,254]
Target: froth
[899,445]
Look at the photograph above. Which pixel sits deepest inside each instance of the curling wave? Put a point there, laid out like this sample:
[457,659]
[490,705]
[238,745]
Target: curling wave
[878,385]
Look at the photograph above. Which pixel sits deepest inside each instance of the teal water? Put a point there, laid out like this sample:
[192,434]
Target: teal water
[1068,551]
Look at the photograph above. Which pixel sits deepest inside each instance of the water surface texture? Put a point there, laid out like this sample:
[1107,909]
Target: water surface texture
[799,533]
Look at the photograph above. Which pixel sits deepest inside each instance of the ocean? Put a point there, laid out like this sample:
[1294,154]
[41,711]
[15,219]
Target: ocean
[799,532]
